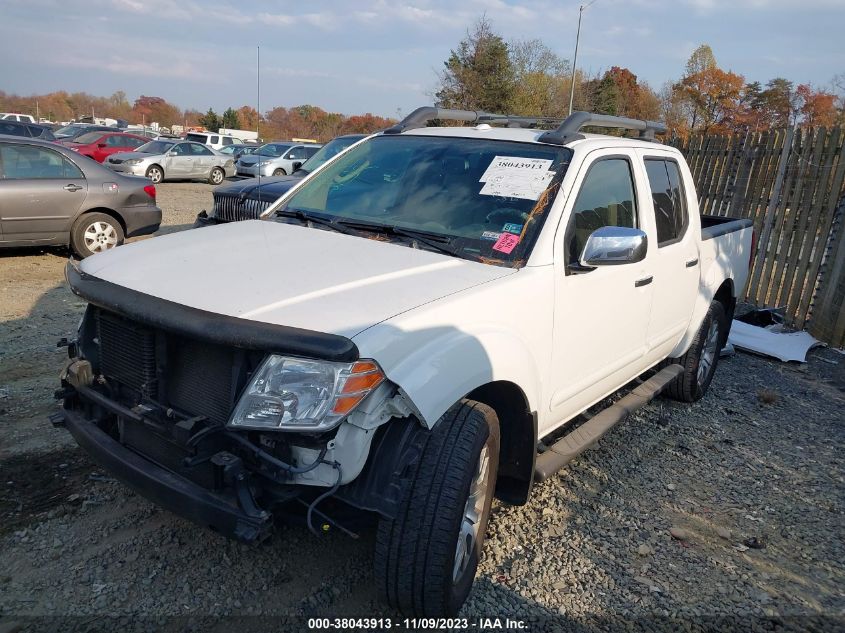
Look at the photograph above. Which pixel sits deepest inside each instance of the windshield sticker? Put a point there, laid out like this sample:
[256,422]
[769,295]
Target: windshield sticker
[506,243]
[490,235]
[519,184]
[513,228]
[514,164]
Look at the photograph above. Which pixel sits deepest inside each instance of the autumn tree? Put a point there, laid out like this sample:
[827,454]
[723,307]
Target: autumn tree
[619,93]
[709,95]
[780,102]
[479,74]
[155,109]
[248,117]
[817,107]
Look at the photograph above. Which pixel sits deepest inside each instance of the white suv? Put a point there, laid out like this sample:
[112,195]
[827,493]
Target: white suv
[213,140]
[14,116]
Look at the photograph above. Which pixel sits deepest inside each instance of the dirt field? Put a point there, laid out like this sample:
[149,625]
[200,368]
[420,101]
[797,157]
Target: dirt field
[752,475]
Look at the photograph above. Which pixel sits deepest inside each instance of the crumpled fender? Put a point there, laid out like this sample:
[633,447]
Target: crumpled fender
[437,367]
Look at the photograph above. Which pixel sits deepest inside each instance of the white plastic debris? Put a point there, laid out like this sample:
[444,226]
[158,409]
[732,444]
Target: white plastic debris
[785,346]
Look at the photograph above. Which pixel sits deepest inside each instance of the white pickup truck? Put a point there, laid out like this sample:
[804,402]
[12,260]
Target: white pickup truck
[410,331]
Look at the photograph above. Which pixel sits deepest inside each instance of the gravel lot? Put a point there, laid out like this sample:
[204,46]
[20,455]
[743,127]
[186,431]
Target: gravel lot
[750,480]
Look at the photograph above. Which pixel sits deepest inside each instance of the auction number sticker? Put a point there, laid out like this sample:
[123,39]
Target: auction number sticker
[516,177]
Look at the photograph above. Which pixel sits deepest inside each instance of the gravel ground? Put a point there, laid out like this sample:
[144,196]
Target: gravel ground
[749,481]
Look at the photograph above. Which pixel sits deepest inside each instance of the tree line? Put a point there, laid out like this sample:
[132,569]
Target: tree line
[305,121]
[527,78]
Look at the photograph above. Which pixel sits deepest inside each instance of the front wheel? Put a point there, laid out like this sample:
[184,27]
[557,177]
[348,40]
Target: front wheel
[426,557]
[155,174]
[700,361]
[94,233]
[280,172]
[216,177]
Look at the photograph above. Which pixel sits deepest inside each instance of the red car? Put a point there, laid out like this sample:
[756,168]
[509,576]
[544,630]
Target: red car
[100,145]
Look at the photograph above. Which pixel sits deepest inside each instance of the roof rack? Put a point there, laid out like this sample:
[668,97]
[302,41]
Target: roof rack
[419,117]
[568,130]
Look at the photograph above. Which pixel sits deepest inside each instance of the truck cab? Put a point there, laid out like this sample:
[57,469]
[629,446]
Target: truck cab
[409,330]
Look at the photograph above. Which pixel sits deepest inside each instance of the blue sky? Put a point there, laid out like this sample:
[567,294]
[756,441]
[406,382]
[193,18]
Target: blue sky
[382,56]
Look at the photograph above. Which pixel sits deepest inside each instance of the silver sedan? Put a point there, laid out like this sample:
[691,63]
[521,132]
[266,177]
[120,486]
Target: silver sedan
[174,160]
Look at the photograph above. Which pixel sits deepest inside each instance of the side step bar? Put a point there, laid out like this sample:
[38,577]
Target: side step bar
[570,446]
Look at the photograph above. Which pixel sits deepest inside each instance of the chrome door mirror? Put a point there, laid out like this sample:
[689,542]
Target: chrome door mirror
[614,245]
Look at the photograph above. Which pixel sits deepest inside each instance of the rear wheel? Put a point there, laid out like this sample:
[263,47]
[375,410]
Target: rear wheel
[216,177]
[155,173]
[426,557]
[280,172]
[94,233]
[701,359]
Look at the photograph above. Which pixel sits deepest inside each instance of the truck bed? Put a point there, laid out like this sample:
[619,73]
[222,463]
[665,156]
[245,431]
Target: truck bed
[716,225]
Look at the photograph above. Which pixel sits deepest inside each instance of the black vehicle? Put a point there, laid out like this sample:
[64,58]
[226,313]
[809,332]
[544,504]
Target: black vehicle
[70,132]
[246,199]
[29,130]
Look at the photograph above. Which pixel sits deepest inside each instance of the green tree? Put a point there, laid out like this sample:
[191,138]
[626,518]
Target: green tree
[541,80]
[210,121]
[780,101]
[479,74]
[231,119]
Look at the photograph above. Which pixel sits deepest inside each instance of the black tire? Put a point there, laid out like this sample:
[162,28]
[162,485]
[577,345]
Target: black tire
[416,553]
[690,386]
[95,232]
[216,176]
[155,173]
[280,172]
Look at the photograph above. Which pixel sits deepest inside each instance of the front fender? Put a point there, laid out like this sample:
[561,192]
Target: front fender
[436,368]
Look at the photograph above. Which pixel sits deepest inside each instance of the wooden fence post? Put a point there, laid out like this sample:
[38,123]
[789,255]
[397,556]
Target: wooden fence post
[774,198]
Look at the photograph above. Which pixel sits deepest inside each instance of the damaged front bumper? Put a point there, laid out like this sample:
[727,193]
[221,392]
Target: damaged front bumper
[236,517]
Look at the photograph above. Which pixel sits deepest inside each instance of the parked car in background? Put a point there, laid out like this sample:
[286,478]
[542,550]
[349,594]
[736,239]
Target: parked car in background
[69,132]
[100,145]
[162,160]
[246,199]
[148,133]
[29,130]
[213,140]
[49,195]
[239,149]
[14,116]
[278,158]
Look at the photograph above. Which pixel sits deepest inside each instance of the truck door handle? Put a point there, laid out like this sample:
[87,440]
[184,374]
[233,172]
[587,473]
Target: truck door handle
[71,187]
[692,262]
[644,281]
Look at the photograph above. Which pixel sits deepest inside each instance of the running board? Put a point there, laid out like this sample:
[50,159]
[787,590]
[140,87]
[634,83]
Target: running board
[570,446]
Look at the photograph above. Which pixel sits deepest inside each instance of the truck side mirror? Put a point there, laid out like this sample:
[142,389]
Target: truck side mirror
[614,245]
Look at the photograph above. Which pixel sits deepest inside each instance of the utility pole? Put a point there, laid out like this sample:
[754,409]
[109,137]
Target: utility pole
[575,58]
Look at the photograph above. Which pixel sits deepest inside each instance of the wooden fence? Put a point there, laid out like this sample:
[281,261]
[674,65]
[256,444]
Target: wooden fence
[790,183]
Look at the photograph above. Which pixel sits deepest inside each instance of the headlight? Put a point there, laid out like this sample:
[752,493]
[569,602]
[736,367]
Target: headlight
[297,394]
[134,161]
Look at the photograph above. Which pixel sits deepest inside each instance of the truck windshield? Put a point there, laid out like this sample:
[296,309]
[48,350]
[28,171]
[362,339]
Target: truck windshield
[485,199]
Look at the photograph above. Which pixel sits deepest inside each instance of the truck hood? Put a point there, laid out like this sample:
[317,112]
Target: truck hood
[287,274]
[267,189]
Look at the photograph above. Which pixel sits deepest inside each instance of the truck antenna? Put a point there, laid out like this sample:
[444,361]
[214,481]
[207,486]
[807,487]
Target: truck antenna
[258,110]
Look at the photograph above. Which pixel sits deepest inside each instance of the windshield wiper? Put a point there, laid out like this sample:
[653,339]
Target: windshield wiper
[306,217]
[433,241]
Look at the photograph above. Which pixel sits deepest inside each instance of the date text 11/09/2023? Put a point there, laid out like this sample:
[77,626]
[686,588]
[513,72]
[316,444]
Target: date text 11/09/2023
[416,624]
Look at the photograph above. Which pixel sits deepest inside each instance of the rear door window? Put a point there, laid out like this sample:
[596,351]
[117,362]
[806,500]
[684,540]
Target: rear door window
[606,198]
[22,162]
[667,195]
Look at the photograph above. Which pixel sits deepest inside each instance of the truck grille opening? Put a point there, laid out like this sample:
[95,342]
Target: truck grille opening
[231,208]
[127,353]
[190,376]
